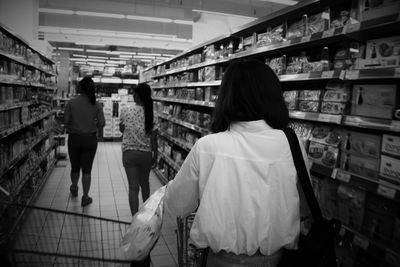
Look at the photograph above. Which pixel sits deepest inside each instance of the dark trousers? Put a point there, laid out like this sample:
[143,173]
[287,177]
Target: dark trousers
[81,151]
[144,263]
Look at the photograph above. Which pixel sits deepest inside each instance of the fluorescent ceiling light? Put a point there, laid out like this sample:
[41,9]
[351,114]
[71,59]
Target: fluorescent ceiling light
[92,44]
[76,55]
[184,22]
[56,11]
[220,13]
[146,60]
[152,57]
[98,14]
[111,80]
[96,51]
[127,53]
[155,19]
[76,59]
[70,49]
[282,2]
[114,58]
[111,65]
[148,54]
[96,60]
[97,57]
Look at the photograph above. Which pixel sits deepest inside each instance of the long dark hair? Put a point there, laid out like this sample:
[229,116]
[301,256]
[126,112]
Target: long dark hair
[249,91]
[86,86]
[143,91]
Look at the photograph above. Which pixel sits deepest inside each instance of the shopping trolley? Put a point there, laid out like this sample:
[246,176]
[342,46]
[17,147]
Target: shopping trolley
[188,254]
[49,237]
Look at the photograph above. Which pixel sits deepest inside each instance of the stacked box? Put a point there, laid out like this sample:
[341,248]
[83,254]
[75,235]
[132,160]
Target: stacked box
[323,148]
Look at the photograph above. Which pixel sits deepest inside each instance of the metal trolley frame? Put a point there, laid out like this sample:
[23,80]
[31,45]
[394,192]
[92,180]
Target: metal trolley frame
[49,237]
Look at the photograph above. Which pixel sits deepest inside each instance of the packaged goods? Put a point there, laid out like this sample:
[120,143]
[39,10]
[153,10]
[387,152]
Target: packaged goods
[318,23]
[333,107]
[361,143]
[342,18]
[390,168]
[351,203]
[312,95]
[297,29]
[290,98]
[340,95]
[326,135]
[384,52]
[372,9]
[199,94]
[309,106]
[278,65]
[391,145]
[208,53]
[250,41]
[323,154]
[360,165]
[209,73]
[276,35]
[262,39]
[379,218]
[295,65]
[303,130]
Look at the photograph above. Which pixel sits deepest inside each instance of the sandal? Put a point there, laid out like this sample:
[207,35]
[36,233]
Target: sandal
[74,190]
[86,201]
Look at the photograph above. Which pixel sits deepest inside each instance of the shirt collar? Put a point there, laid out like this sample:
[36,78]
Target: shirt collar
[250,126]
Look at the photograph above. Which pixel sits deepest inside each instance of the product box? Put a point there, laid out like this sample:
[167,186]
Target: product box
[361,143]
[297,29]
[262,39]
[318,23]
[323,154]
[278,65]
[351,203]
[309,106]
[341,96]
[390,168]
[303,131]
[391,145]
[290,98]
[379,218]
[360,165]
[384,52]
[311,95]
[333,108]
[378,95]
[379,9]
[371,111]
[326,135]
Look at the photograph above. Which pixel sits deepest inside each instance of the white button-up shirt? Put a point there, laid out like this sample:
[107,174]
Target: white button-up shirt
[245,180]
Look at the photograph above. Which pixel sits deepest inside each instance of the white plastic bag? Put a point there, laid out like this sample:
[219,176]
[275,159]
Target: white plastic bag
[145,228]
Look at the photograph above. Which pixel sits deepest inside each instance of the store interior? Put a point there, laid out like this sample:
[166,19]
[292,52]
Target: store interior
[339,67]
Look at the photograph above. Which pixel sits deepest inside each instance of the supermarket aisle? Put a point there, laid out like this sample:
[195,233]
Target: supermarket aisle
[109,191]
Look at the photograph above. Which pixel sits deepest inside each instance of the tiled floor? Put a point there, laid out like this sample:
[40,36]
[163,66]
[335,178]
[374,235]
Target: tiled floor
[109,190]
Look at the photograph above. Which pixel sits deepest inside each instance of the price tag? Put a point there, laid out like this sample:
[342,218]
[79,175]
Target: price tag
[353,27]
[362,243]
[327,74]
[395,126]
[328,33]
[334,173]
[343,176]
[306,39]
[342,74]
[325,117]
[386,191]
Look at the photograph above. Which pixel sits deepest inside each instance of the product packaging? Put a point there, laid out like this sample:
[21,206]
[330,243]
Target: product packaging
[250,42]
[361,143]
[342,18]
[312,95]
[262,39]
[333,107]
[209,73]
[379,218]
[391,145]
[199,94]
[384,52]
[290,98]
[326,135]
[309,106]
[323,154]
[390,168]
[278,65]
[373,9]
[297,28]
[276,34]
[208,53]
[351,203]
[339,95]
[360,165]
[318,23]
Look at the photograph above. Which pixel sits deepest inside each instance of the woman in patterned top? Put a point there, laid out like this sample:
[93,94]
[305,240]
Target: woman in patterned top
[139,144]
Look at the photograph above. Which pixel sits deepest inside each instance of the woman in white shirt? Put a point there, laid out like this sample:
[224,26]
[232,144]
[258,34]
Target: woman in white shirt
[242,178]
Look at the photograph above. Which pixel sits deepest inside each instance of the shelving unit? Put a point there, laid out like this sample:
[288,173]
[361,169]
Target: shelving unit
[178,83]
[27,149]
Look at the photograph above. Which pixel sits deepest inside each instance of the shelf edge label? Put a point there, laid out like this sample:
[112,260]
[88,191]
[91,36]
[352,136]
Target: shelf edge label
[386,191]
[343,176]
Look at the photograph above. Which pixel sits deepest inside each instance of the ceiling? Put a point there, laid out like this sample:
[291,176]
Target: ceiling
[162,27]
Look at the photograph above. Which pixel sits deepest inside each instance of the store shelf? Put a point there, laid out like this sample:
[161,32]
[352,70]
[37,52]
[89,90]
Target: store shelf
[375,186]
[14,129]
[161,176]
[313,116]
[22,61]
[366,243]
[176,141]
[188,84]
[22,155]
[13,80]
[170,161]
[312,76]
[15,105]
[184,101]
[184,123]
[373,74]
[372,123]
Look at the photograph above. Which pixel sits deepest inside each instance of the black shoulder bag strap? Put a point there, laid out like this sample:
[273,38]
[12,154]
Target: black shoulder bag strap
[303,174]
